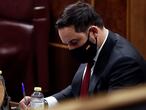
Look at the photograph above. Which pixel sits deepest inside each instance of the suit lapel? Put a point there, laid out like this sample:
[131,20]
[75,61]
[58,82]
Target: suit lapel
[76,83]
[101,62]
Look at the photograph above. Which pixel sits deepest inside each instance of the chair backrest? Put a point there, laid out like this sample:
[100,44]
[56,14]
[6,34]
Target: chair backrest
[15,52]
[23,45]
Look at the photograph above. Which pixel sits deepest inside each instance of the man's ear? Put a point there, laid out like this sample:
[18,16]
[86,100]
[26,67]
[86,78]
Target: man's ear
[93,33]
[93,29]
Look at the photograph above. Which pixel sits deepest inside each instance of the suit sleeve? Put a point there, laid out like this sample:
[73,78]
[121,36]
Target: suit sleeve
[126,72]
[64,94]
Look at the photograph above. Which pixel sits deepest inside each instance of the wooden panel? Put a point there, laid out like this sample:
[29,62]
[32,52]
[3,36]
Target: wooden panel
[16,9]
[137,24]
[113,13]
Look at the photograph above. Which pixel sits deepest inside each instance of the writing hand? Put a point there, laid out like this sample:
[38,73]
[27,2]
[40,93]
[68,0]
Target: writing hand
[25,103]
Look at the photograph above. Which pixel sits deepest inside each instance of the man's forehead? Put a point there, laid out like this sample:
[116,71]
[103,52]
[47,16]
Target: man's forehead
[67,29]
[66,34]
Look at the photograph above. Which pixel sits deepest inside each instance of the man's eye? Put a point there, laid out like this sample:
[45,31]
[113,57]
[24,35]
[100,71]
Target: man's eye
[73,42]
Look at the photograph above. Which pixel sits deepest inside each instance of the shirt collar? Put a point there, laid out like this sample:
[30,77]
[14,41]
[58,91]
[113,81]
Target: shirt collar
[106,35]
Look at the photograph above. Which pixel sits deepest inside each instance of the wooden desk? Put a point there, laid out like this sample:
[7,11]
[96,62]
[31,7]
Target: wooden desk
[113,100]
[15,105]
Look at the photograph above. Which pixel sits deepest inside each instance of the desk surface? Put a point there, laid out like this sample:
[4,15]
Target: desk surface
[113,100]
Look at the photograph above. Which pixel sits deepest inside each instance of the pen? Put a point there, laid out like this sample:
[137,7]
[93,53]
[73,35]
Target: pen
[24,94]
[23,89]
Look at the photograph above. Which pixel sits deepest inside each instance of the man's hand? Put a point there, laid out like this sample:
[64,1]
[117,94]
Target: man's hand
[24,104]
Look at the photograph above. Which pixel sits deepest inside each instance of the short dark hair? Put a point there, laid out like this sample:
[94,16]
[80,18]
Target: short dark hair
[81,15]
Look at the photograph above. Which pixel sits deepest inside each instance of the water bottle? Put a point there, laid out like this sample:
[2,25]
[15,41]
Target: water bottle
[37,99]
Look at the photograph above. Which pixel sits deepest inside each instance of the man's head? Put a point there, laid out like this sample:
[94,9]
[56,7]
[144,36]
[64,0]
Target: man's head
[81,16]
[79,27]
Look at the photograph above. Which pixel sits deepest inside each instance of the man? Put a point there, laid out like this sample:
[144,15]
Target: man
[113,60]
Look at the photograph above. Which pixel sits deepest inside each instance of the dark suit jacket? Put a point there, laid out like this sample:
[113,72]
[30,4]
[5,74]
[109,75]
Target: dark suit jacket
[119,64]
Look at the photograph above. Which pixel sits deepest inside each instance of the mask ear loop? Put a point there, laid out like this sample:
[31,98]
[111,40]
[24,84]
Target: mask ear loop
[89,35]
[88,31]
[96,40]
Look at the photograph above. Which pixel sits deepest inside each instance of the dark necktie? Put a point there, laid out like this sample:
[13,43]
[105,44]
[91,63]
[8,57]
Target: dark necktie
[85,81]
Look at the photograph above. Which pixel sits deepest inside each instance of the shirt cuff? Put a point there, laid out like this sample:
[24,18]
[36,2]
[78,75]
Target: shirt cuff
[52,101]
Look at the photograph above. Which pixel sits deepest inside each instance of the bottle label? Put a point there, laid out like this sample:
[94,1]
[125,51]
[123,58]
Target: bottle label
[36,106]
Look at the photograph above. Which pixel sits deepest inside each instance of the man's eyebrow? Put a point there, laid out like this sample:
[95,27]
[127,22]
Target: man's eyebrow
[59,45]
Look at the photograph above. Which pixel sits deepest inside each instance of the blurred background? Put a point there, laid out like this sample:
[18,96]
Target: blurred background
[31,51]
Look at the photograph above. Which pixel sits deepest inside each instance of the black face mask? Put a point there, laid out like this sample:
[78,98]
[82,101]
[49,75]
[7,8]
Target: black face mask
[85,53]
